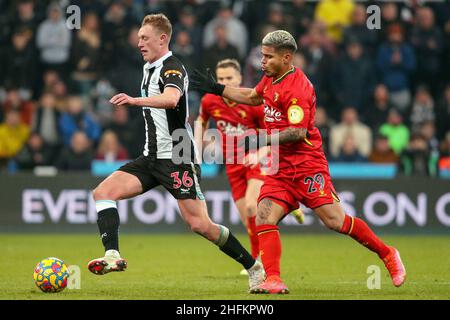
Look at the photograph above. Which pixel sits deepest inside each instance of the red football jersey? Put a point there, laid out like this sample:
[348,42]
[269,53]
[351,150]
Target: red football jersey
[233,120]
[290,101]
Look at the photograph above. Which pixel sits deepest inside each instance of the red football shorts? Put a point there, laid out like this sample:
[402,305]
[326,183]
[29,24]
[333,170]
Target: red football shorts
[312,189]
[238,175]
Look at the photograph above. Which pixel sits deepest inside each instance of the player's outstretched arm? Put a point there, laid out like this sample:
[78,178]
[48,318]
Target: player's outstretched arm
[167,100]
[207,84]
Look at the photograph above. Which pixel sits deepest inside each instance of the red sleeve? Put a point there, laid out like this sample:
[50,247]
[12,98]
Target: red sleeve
[260,86]
[204,107]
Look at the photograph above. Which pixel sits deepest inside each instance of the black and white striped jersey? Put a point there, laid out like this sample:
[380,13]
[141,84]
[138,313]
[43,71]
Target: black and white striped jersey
[167,130]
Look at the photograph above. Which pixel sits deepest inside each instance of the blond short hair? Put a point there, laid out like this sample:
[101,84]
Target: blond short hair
[160,22]
[229,63]
[280,39]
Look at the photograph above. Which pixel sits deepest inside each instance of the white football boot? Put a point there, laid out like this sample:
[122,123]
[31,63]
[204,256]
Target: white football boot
[256,275]
[110,262]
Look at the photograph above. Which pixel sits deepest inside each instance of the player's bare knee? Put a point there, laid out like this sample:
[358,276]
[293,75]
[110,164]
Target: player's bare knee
[103,193]
[198,226]
[260,220]
[332,223]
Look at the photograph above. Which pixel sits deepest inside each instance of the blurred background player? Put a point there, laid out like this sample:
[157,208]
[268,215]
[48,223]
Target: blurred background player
[303,174]
[233,120]
[165,109]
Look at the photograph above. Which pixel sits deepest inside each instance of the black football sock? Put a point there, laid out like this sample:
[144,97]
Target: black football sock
[233,248]
[108,224]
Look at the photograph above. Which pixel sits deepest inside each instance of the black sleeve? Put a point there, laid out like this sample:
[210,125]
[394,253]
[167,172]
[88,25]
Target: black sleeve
[173,74]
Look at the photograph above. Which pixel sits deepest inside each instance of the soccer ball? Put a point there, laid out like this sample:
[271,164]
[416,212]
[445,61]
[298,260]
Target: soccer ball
[51,274]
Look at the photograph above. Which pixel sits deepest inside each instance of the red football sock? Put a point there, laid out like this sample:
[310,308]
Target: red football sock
[269,248]
[253,235]
[360,231]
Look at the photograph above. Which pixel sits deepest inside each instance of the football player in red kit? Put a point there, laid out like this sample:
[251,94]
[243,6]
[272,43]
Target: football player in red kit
[234,120]
[303,176]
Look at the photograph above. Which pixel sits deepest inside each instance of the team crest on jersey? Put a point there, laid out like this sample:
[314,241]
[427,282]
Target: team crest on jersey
[276,95]
[216,113]
[295,112]
[243,114]
[173,73]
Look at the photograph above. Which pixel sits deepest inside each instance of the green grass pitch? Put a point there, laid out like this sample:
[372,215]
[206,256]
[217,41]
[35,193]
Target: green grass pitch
[186,266]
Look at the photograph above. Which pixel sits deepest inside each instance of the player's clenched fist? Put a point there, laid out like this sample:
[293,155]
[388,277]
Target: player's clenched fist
[122,99]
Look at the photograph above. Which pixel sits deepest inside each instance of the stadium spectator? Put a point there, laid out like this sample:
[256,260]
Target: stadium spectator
[59,90]
[422,108]
[336,15]
[427,41]
[389,16]
[184,49]
[276,18]
[358,30]
[354,77]
[77,119]
[324,124]
[317,50]
[126,131]
[46,123]
[376,112]
[301,15]
[349,151]
[21,69]
[128,71]
[24,18]
[115,30]
[382,152]
[187,22]
[15,102]
[220,50]
[53,40]
[109,149]
[350,126]
[396,62]
[443,114]
[396,131]
[34,153]
[445,70]
[13,136]
[78,155]
[86,55]
[444,160]
[428,131]
[236,33]
[252,69]
[417,159]
[49,79]
[100,95]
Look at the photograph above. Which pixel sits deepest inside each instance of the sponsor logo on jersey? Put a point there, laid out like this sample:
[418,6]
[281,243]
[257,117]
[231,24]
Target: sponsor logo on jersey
[230,129]
[272,114]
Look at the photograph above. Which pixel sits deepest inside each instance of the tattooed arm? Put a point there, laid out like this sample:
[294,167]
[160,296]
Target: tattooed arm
[289,135]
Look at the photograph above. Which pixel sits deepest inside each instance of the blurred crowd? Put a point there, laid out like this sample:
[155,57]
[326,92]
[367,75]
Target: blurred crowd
[383,94]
